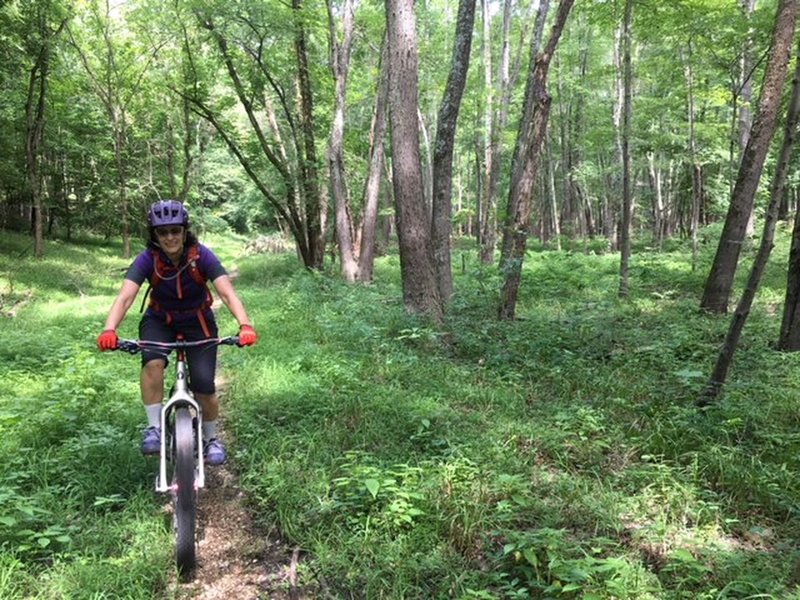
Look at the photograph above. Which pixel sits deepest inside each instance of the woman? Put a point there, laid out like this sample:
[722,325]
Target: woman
[177,267]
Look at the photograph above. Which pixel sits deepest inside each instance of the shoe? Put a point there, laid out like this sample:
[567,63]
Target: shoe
[151,441]
[214,452]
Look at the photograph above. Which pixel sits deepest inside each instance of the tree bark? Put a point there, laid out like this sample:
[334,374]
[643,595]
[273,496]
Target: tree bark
[443,148]
[720,280]
[366,256]
[529,141]
[627,116]
[418,273]
[719,375]
[522,142]
[315,205]
[340,66]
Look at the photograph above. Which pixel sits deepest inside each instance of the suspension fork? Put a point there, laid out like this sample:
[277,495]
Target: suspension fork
[181,396]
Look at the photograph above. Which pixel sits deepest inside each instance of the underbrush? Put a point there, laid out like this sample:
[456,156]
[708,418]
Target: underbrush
[557,456]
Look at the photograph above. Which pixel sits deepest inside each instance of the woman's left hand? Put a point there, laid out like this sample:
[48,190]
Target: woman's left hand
[247,335]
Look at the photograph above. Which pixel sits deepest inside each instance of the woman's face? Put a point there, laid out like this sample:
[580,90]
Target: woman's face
[170,238]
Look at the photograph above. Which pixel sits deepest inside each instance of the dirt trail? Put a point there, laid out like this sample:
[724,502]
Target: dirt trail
[237,560]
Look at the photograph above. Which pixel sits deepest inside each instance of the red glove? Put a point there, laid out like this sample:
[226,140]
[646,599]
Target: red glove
[107,340]
[247,335]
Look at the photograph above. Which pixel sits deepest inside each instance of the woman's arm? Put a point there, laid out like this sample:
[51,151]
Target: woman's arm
[122,303]
[228,296]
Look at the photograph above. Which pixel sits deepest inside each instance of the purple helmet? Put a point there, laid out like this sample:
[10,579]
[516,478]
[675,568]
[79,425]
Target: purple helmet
[167,212]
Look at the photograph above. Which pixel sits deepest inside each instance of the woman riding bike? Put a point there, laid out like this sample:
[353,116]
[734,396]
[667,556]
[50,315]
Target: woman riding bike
[177,267]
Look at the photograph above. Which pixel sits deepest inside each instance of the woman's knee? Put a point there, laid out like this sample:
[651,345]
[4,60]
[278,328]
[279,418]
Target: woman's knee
[154,370]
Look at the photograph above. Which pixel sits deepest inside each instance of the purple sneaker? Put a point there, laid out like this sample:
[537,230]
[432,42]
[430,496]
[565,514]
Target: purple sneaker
[214,452]
[151,441]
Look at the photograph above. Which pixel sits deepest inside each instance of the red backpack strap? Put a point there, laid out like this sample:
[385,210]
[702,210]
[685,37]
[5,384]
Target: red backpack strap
[193,259]
[158,268]
[155,278]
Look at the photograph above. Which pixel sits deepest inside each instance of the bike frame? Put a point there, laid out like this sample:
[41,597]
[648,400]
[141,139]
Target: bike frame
[188,467]
[181,396]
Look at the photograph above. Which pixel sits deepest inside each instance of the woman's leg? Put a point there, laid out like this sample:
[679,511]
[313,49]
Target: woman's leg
[151,381]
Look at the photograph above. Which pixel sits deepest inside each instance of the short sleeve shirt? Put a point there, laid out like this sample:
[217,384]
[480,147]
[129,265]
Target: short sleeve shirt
[177,291]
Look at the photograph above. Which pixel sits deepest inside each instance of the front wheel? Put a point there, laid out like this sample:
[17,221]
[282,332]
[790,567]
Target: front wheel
[185,494]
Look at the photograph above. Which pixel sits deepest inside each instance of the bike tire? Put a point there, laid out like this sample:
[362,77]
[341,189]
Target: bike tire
[185,494]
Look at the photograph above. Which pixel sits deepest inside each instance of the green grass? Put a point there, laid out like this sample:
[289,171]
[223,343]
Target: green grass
[558,456]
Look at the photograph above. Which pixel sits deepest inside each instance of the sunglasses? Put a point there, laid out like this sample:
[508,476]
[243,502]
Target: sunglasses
[165,231]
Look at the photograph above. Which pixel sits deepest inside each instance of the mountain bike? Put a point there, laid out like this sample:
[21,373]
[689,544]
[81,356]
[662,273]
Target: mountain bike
[181,468]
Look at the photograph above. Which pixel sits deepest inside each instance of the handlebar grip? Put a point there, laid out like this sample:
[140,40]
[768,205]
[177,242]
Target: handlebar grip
[129,346]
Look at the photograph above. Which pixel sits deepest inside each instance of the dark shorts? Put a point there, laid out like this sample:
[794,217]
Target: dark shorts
[202,361]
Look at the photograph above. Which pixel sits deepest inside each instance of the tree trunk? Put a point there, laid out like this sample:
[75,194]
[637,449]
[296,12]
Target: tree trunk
[720,280]
[366,257]
[340,66]
[443,148]
[627,114]
[523,141]
[694,215]
[418,273]
[35,122]
[746,92]
[34,111]
[315,205]
[714,386]
[789,338]
[488,225]
[529,141]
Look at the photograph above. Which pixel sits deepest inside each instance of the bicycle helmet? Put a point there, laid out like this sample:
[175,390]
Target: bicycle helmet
[167,212]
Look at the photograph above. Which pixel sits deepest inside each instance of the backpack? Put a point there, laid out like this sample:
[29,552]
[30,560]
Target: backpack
[160,267]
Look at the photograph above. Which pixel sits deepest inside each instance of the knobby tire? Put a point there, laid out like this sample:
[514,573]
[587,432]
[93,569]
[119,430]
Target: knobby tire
[185,493]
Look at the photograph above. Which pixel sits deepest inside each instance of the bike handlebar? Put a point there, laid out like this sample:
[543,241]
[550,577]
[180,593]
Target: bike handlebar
[136,346]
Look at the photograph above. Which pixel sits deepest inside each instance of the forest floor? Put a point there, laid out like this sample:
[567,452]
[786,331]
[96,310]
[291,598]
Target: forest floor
[237,559]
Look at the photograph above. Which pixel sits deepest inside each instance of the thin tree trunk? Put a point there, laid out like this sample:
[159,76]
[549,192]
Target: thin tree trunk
[523,140]
[719,375]
[340,66]
[526,164]
[316,207]
[694,215]
[627,114]
[443,152]
[720,280]
[418,273]
[366,258]
[746,92]
[488,225]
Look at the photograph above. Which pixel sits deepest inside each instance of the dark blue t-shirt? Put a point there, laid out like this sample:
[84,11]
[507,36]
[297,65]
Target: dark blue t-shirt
[177,291]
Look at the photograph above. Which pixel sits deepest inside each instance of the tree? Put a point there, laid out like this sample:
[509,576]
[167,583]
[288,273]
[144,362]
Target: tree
[627,118]
[443,148]
[39,46]
[525,166]
[116,75]
[720,280]
[372,184]
[340,65]
[418,272]
[298,201]
[719,374]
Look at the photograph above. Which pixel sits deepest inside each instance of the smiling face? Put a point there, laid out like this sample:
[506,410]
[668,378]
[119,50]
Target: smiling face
[171,239]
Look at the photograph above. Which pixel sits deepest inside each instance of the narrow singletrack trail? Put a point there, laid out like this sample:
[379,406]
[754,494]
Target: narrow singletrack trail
[236,558]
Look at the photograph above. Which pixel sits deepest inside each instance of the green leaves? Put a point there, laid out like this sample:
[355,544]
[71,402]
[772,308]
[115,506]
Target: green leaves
[372,496]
